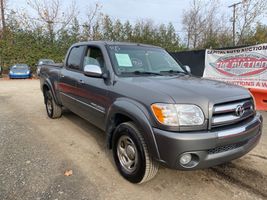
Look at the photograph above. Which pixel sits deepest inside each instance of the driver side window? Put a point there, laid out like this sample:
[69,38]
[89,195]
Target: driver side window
[94,56]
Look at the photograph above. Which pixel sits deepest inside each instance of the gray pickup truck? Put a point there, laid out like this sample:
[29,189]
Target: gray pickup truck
[151,108]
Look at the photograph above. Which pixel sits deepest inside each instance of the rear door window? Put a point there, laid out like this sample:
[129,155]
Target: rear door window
[75,58]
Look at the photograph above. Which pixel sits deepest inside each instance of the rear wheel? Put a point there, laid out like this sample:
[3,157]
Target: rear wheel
[53,110]
[131,154]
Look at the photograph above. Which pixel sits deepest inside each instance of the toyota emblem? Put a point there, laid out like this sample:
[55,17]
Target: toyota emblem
[239,111]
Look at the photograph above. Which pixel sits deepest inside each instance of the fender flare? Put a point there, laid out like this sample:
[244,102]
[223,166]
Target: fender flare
[139,115]
[48,83]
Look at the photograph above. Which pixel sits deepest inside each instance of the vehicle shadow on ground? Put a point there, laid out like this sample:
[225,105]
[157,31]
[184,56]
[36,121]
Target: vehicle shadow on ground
[98,135]
[89,128]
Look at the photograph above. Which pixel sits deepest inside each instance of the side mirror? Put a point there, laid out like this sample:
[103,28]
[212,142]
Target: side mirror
[93,71]
[187,68]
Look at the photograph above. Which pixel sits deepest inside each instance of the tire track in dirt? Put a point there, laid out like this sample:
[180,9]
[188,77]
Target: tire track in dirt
[247,179]
[258,156]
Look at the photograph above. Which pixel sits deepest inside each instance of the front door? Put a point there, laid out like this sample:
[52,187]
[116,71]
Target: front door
[92,92]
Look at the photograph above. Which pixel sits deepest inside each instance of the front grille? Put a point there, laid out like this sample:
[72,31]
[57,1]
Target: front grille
[226,147]
[232,112]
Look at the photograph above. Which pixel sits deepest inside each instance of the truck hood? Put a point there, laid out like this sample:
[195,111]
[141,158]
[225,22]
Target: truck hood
[188,89]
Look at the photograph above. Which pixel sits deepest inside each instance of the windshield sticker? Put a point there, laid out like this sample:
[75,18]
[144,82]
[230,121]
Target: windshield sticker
[114,48]
[123,60]
[137,62]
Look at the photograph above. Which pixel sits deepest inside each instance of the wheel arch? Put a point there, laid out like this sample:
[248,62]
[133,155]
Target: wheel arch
[48,86]
[125,110]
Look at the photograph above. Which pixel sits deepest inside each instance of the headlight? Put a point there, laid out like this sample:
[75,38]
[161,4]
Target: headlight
[189,115]
[11,72]
[178,114]
[28,72]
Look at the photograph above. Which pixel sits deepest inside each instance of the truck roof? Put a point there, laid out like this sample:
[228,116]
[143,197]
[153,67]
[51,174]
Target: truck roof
[102,42]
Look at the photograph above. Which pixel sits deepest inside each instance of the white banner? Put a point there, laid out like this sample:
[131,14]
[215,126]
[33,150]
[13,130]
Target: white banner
[246,66]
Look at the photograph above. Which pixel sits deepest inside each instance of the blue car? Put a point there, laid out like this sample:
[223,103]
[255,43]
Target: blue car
[20,71]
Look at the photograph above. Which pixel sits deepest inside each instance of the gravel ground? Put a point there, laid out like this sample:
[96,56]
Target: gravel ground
[36,151]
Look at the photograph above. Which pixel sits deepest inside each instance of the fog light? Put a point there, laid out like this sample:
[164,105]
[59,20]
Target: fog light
[185,159]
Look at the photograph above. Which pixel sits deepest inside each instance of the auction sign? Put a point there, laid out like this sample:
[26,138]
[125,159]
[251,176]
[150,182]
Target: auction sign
[246,66]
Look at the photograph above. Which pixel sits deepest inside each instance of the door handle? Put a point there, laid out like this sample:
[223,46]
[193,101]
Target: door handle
[81,81]
[62,76]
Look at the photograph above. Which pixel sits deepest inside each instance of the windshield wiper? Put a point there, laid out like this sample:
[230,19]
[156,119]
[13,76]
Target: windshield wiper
[143,73]
[148,73]
[174,72]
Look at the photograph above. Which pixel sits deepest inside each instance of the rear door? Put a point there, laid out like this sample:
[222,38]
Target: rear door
[69,77]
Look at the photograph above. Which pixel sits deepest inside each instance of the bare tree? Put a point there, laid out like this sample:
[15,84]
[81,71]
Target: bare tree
[51,13]
[193,22]
[91,25]
[200,21]
[204,25]
[2,10]
[248,14]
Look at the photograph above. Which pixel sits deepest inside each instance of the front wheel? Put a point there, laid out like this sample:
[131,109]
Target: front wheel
[53,110]
[131,154]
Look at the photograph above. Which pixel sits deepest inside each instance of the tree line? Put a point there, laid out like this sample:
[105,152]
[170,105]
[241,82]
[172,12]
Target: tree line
[50,29]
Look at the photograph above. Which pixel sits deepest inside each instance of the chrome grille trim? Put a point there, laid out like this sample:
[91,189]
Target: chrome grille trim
[225,114]
[230,107]
[225,119]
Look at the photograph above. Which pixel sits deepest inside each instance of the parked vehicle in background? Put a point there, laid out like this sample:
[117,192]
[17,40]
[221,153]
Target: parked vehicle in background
[43,62]
[20,71]
[151,108]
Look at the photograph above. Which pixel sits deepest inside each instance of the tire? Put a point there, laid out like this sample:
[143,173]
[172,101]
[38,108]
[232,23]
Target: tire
[131,155]
[53,110]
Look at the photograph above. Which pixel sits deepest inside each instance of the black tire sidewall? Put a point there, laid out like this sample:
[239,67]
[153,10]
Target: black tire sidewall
[47,94]
[138,174]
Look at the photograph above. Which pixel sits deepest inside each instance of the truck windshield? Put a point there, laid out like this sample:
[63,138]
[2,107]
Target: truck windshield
[142,60]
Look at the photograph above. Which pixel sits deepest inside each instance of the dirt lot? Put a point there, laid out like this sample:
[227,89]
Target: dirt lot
[35,152]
